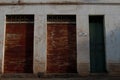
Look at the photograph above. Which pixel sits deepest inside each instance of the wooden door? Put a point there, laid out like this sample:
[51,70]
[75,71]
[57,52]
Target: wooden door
[19,48]
[61,48]
[97,46]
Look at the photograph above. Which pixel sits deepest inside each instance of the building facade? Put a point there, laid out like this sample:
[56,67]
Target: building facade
[60,36]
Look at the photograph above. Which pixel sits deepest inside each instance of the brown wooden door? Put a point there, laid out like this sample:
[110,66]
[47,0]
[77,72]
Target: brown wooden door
[61,48]
[18,48]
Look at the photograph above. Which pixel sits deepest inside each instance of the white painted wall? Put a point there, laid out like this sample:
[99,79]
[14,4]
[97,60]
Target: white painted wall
[47,1]
[112,32]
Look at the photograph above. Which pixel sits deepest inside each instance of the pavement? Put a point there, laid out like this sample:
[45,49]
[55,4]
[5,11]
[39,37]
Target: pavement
[80,78]
[68,77]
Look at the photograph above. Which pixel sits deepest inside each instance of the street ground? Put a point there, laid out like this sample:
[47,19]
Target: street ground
[81,78]
[68,77]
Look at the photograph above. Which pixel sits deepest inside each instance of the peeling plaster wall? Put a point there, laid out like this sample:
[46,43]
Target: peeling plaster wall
[112,33]
[59,1]
[2,40]
[8,1]
[80,1]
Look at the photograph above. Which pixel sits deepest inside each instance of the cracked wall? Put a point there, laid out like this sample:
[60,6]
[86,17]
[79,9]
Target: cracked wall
[59,1]
[82,12]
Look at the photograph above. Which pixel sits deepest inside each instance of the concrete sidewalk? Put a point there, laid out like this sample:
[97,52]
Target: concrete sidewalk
[80,78]
[57,77]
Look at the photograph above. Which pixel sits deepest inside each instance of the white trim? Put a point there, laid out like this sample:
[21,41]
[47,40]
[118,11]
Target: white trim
[3,59]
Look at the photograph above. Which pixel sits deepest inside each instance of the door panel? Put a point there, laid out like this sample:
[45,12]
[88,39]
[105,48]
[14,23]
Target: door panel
[19,48]
[97,47]
[61,48]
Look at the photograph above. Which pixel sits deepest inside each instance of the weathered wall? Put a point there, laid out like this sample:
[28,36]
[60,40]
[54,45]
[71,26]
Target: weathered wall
[112,32]
[67,1]
[8,1]
[59,1]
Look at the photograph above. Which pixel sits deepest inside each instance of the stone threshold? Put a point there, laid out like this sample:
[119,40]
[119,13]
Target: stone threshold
[20,75]
[41,75]
[58,75]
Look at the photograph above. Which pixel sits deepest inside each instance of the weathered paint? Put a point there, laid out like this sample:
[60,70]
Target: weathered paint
[18,48]
[112,29]
[59,1]
[61,48]
[18,45]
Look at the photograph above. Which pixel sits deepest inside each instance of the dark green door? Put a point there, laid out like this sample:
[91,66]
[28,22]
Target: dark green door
[97,47]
